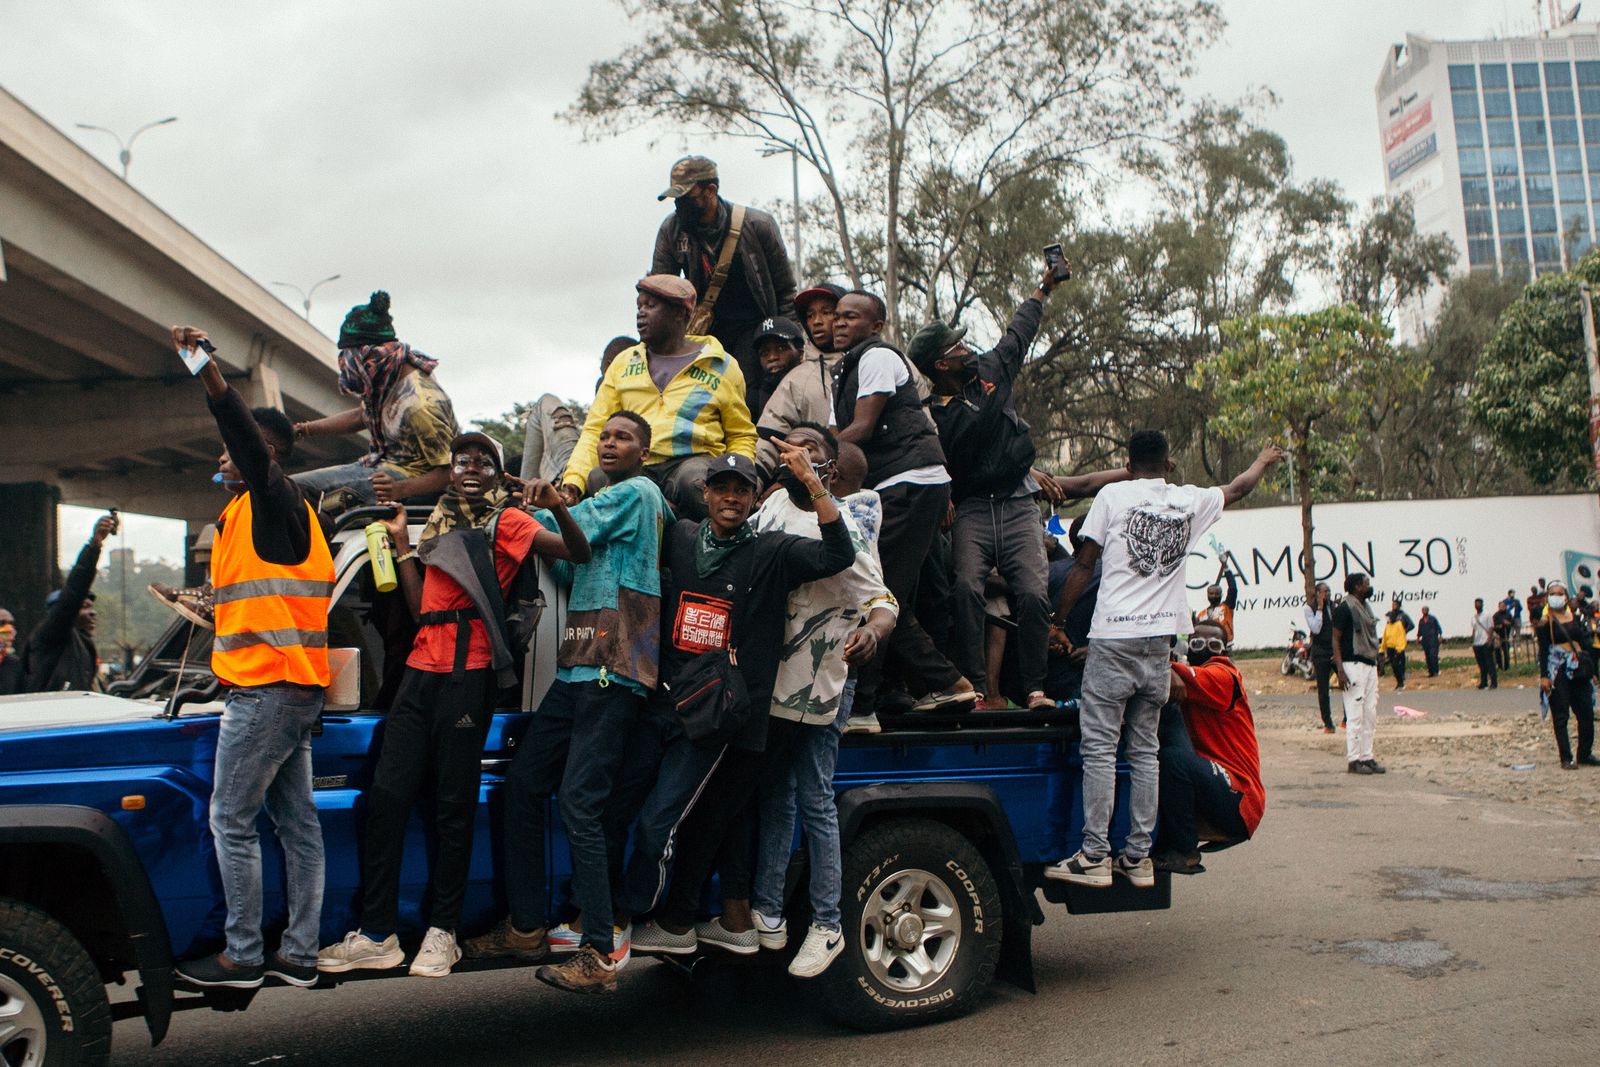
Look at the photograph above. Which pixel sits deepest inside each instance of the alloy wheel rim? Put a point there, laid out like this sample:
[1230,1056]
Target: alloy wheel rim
[22,1026]
[910,930]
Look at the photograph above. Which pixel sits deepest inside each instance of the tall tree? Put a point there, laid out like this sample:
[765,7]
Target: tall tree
[1307,378]
[872,93]
[1531,390]
[1385,262]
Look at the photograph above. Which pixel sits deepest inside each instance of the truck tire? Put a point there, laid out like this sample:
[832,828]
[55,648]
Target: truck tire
[53,1008]
[922,920]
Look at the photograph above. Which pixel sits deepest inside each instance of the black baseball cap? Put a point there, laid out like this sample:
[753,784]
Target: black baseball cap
[734,463]
[780,329]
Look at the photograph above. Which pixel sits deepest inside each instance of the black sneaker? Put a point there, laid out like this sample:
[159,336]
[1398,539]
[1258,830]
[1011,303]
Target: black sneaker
[1359,767]
[303,975]
[1588,761]
[1374,767]
[219,972]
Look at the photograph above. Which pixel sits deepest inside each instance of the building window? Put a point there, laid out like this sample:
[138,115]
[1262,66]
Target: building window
[1540,190]
[1594,183]
[1547,250]
[1542,219]
[1569,160]
[1479,222]
[1469,134]
[1588,73]
[1557,74]
[1524,75]
[1591,131]
[1532,132]
[1465,105]
[1514,249]
[1462,76]
[1475,192]
[1589,99]
[1530,103]
[1564,131]
[1574,220]
[1480,253]
[1502,133]
[1471,162]
[1593,155]
[1571,186]
[1559,101]
[1511,221]
[1494,75]
[1535,161]
[1498,105]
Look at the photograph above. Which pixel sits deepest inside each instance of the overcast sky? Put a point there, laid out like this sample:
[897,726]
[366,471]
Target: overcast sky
[413,146]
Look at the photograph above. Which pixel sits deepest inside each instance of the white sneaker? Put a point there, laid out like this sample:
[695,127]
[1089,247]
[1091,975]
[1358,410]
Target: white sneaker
[863,724]
[712,932]
[774,933]
[563,939]
[820,948]
[439,953]
[1079,869]
[358,952]
[1140,873]
[649,939]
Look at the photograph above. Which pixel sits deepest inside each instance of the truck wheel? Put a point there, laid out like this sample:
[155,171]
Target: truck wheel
[53,1009]
[922,920]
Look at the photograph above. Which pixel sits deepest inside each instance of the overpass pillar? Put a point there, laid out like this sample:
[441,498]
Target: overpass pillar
[29,545]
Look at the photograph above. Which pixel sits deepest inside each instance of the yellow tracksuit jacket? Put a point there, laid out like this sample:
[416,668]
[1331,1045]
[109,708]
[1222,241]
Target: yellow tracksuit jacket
[701,412]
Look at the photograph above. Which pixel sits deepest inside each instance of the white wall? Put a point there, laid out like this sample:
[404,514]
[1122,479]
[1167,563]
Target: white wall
[1442,553]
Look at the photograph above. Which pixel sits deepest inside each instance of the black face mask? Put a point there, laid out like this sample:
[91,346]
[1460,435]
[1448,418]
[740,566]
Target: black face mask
[793,486]
[688,212]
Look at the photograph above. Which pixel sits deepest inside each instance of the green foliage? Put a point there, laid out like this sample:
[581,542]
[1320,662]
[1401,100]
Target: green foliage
[1531,390]
[1387,262]
[129,618]
[510,428]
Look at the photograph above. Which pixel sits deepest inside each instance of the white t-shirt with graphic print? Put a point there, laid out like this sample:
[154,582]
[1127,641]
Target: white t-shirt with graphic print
[1145,530]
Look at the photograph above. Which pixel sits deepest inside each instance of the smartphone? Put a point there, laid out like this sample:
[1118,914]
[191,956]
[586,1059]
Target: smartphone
[196,358]
[1055,259]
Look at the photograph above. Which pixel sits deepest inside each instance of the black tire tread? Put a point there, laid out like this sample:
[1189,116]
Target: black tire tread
[43,938]
[837,991]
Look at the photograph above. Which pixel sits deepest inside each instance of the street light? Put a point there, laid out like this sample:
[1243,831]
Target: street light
[794,158]
[126,155]
[306,293]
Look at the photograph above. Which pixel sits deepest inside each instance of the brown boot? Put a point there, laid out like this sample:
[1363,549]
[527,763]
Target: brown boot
[507,940]
[585,972]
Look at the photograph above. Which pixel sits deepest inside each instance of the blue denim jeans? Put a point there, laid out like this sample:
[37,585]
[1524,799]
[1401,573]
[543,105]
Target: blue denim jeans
[355,477]
[575,743]
[808,785]
[1125,682]
[264,756]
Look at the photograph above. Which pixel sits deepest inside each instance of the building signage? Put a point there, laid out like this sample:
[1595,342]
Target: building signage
[1443,553]
[1413,154]
[1408,125]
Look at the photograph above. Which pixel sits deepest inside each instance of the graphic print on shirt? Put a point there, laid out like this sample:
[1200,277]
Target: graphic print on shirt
[1157,544]
[702,623]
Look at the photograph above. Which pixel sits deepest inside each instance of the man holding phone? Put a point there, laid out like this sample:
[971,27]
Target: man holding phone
[989,454]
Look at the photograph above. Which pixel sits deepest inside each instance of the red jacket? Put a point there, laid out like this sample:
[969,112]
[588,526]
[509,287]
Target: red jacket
[1217,713]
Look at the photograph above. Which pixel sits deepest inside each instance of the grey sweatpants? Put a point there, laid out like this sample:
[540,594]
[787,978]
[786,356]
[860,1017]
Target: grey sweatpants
[1125,682]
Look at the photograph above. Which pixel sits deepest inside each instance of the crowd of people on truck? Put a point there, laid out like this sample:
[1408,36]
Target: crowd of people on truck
[774,527]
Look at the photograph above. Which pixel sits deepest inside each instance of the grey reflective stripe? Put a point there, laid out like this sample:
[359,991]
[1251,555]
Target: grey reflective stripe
[227,594]
[275,638]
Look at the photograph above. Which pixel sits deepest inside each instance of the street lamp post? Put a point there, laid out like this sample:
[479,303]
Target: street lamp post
[126,149]
[305,294]
[794,175]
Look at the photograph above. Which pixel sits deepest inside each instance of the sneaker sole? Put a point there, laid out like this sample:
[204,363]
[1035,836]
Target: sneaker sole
[1139,882]
[737,948]
[556,984]
[666,950]
[774,942]
[370,963]
[826,963]
[291,979]
[434,970]
[954,700]
[232,983]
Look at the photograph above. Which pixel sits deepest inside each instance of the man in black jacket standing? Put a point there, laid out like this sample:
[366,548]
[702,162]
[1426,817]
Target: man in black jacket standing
[989,454]
[61,653]
[876,407]
[752,282]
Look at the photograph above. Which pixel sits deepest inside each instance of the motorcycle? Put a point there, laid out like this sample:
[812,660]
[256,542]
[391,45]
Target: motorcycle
[1297,657]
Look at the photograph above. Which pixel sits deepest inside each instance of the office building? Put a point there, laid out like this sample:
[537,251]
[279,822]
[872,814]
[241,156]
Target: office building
[1498,143]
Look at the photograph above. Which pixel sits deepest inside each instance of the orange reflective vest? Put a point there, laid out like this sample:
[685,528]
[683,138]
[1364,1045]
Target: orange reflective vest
[272,620]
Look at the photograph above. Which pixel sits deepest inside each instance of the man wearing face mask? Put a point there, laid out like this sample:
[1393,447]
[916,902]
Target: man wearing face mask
[1210,764]
[989,453]
[735,257]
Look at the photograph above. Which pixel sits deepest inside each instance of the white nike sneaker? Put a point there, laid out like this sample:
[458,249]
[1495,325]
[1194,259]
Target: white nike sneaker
[820,948]
[438,954]
[774,933]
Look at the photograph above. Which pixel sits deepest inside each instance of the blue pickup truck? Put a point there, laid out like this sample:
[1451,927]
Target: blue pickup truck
[107,874]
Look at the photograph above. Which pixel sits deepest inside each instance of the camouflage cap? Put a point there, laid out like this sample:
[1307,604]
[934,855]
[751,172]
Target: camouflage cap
[686,174]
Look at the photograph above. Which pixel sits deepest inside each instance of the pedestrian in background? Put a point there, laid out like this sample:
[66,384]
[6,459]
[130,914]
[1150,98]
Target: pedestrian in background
[1319,622]
[1355,658]
[1397,624]
[1566,675]
[1483,646]
[1428,635]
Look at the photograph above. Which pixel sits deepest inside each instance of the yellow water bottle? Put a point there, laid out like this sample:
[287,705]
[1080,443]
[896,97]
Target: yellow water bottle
[382,557]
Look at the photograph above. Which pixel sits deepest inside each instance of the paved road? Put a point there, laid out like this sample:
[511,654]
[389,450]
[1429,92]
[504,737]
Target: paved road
[1374,920]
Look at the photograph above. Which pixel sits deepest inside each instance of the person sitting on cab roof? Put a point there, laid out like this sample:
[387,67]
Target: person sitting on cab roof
[1210,763]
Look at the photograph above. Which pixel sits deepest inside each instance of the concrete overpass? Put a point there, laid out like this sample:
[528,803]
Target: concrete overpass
[95,408]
